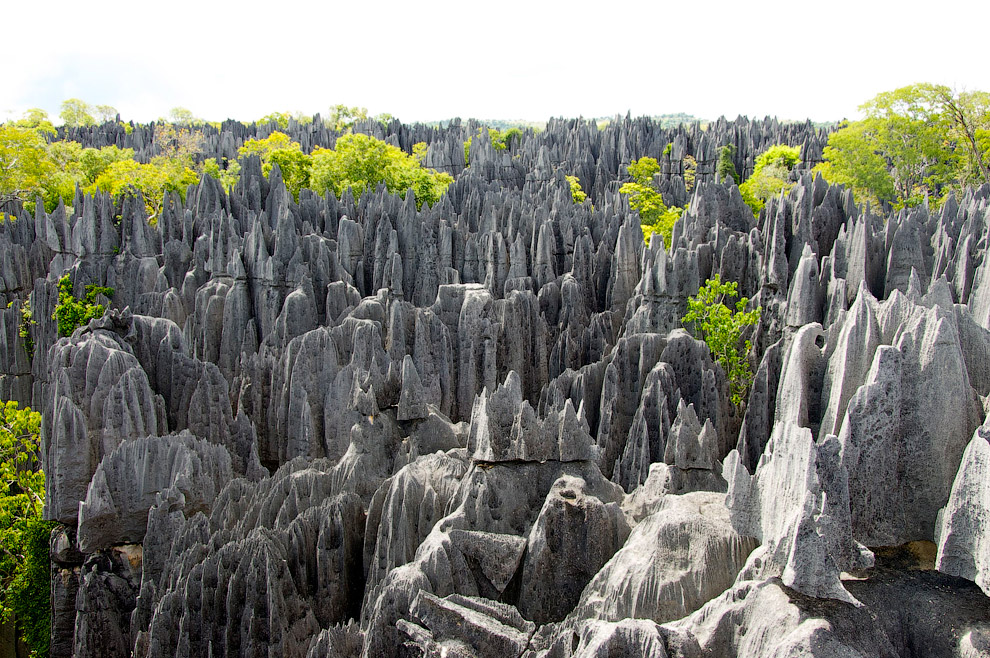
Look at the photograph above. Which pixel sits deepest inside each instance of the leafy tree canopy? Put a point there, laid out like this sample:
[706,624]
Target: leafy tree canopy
[76,112]
[771,175]
[919,141]
[361,162]
[654,215]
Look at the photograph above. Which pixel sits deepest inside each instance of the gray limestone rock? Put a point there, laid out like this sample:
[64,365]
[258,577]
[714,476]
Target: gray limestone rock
[794,505]
[127,481]
[677,559]
[574,535]
[964,524]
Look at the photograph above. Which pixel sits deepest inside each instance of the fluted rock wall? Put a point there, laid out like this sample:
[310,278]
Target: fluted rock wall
[351,427]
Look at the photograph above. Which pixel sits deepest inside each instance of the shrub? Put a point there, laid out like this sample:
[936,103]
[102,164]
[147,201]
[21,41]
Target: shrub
[721,329]
[71,313]
[24,537]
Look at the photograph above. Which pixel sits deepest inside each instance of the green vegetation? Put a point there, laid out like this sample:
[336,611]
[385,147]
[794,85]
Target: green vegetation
[501,141]
[24,326]
[342,118]
[721,329]
[655,217]
[361,162]
[918,141]
[725,167]
[278,149]
[24,537]
[71,313]
[76,113]
[771,175]
[577,194]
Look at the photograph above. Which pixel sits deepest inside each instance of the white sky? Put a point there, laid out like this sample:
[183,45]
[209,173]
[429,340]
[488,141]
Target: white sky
[511,60]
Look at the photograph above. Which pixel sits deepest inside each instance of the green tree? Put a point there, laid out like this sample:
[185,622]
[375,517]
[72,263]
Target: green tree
[106,113]
[76,112]
[343,118]
[25,163]
[228,175]
[361,162]
[725,166]
[278,149]
[654,215]
[852,159]
[771,175]
[914,142]
[183,115]
[280,119]
[71,313]
[721,328]
[24,537]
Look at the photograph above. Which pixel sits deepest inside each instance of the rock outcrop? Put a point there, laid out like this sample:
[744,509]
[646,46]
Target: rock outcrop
[351,426]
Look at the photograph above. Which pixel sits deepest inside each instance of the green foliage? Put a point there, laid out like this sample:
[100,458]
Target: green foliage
[71,313]
[361,162]
[77,113]
[654,215]
[725,167]
[668,149]
[915,141]
[25,163]
[105,113]
[295,166]
[771,175]
[721,329]
[342,118]
[24,326]
[264,148]
[278,149]
[280,119]
[94,161]
[228,176]
[419,152]
[24,537]
[577,194]
[183,115]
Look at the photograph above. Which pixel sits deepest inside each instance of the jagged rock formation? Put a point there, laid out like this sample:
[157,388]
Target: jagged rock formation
[351,427]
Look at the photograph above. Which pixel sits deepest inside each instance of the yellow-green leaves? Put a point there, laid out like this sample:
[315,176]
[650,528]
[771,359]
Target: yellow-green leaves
[24,562]
[654,215]
[361,162]
[771,175]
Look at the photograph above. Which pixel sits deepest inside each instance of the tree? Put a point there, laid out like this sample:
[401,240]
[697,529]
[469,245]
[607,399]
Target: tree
[343,118]
[725,166]
[771,175]
[361,162]
[25,163]
[24,537]
[278,149]
[182,115]
[654,215]
[852,159]
[106,113]
[919,141]
[721,329]
[76,112]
